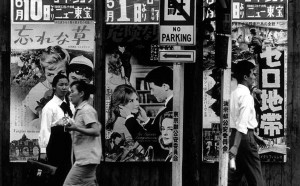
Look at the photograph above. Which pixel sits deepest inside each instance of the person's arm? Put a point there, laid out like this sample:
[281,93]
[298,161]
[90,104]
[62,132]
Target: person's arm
[237,140]
[243,118]
[44,134]
[93,129]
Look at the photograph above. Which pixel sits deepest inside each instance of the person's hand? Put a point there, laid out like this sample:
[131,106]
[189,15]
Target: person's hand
[62,121]
[142,115]
[124,112]
[233,152]
[71,125]
[43,157]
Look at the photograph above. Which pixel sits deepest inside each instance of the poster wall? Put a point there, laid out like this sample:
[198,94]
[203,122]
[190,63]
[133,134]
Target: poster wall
[145,132]
[38,53]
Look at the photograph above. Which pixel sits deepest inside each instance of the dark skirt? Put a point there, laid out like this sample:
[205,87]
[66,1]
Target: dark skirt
[59,153]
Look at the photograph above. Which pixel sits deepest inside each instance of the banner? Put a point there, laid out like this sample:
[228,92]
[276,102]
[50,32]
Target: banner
[146,134]
[34,48]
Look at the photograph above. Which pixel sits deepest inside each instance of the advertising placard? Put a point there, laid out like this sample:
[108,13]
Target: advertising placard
[150,131]
[34,49]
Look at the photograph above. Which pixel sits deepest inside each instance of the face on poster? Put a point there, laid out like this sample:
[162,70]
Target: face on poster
[140,122]
[39,52]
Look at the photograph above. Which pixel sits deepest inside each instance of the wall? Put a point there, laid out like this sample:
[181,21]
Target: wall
[194,172]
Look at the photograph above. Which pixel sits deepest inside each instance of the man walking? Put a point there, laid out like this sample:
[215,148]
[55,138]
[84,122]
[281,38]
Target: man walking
[243,141]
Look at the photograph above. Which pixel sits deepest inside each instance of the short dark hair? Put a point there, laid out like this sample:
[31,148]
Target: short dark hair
[253,31]
[241,69]
[160,75]
[115,135]
[57,78]
[82,86]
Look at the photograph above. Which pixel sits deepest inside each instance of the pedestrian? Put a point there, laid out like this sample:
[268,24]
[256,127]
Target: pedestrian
[86,140]
[53,139]
[243,141]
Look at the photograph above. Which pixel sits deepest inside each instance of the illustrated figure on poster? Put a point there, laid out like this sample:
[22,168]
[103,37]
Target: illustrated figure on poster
[255,44]
[243,140]
[208,147]
[125,96]
[125,57]
[113,147]
[53,60]
[116,70]
[53,139]
[166,138]
[161,85]
[81,69]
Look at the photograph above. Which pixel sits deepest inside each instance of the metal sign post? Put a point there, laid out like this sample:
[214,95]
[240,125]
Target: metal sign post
[177,27]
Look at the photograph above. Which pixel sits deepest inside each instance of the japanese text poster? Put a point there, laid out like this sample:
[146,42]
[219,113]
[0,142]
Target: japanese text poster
[260,35]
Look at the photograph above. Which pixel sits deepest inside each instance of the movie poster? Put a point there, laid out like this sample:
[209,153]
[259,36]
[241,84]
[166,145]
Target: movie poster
[259,33]
[145,132]
[38,53]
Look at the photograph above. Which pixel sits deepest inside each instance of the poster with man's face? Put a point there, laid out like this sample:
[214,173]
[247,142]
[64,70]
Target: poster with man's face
[139,116]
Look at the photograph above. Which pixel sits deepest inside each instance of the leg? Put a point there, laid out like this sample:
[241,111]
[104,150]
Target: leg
[84,175]
[253,171]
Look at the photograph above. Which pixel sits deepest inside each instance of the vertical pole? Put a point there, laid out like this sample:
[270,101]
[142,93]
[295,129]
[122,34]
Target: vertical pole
[225,120]
[178,89]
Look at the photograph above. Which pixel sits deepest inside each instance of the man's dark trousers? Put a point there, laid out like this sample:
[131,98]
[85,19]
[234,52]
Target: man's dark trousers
[247,161]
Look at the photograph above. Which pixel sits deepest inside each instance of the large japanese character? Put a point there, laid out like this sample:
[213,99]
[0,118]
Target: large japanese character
[279,11]
[78,12]
[80,35]
[270,100]
[270,10]
[268,55]
[87,11]
[23,39]
[42,38]
[271,128]
[62,38]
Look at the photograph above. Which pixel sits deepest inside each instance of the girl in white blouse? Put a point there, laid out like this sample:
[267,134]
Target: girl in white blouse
[52,138]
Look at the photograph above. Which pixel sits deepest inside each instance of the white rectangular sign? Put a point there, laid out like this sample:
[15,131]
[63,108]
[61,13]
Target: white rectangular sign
[177,35]
[177,56]
[177,22]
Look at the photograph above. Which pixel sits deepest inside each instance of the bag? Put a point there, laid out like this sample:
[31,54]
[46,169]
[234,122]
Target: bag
[39,173]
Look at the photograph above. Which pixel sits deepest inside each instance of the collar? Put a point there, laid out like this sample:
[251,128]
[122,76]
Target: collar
[58,100]
[168,99]
[243,87]
[81,105]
